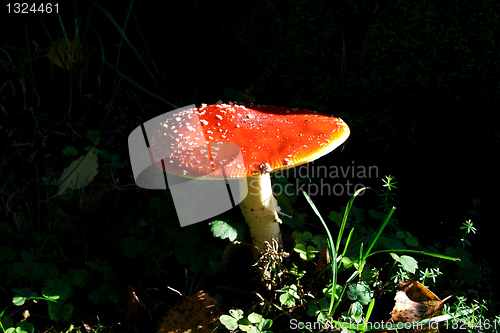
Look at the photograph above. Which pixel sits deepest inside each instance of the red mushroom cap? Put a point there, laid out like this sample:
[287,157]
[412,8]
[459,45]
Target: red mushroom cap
[247,139]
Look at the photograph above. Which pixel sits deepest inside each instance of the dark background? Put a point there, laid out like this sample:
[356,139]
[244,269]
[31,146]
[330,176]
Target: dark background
[419,89]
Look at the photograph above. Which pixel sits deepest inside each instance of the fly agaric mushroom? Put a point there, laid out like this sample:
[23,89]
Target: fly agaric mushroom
[270,139]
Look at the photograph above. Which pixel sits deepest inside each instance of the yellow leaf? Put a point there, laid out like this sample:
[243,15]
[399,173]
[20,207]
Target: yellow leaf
[80,173]
[414,302]
[64,53]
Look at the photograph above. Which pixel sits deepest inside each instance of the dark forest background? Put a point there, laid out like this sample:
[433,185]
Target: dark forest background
[417,82]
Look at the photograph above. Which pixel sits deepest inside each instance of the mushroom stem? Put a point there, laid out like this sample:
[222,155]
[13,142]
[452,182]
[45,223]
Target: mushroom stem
[260,210]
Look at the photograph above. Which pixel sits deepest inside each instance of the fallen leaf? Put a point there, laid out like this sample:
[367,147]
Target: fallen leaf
[323,260]
[133,302]
[87,328]
[64,53]
[414,302]
[79,173]
[196,313]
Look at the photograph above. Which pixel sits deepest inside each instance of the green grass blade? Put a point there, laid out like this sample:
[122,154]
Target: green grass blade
[346,214]
[346,284]
[113,98]
[377,326]
[369,312]
[387,219]
[147,91]
[333,252]
[45,28]
[131,5]
[125,38]
[347,242]
[29,56]
[431,254]
[145,45]
[3,86]
[63,30]
[8,56]
[103,54]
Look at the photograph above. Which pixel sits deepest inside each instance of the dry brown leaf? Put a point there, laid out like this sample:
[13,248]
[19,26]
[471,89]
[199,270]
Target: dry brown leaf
[414,302]
[323,260]
[196,313]
[87,328]
[133,302]
[64,53]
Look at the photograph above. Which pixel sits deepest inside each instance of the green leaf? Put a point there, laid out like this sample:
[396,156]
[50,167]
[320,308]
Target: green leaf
[306,253]
[289,295]
[80,173]
[229,92]
[324,307]
[80,277]
[228,321]
[412,241]
[358,214]
[391,243]
[360,292]
[22,327]
[22,295]
[142,245]
[356,311]
[116,165]
[280,178]
[23,291]
[48,181]
[255,318]
[224,230]
[56,289]
[373,213]
[18,300]
[334,216]
[307,236]
[94,136]
[108,273]
[237,314]
[7,253]
[27,256]
[115,296]
[312,309]
[43,271]
[67,194]
[70,150]
[60,311]
[161,207]
[401,234]
[264,325]
[7,322]
[328,290]
[104,153]
[130,247]
[300,218]
[99,295]
[240,97]
[287,300]
[320,241]
[93,265]
[409,263]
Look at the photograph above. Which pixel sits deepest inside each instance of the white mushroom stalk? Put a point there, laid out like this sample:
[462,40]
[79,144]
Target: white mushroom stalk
[260,210]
